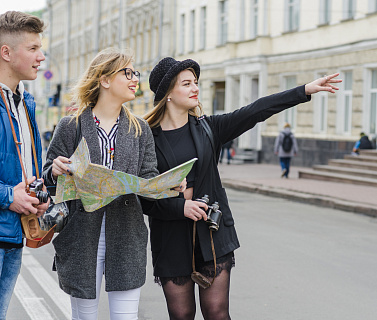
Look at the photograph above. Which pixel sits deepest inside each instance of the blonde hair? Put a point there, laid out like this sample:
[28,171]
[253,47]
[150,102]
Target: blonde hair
[86,92]
[155,116]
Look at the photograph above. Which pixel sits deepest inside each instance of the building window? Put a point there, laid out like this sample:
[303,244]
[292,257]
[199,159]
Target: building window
[203,27]
[323,113]
[373,102]
[241,17]
[254,19]
[347,101]
[192,30]
[320,112]
[292,14]
[223,22]
[146,43]
[324,11]
[372,5]
[154,40]
[289,115]
[349,9]
[219,98]
[182,39]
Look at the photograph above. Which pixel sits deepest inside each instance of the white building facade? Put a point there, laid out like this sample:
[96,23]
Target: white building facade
[259,47]
[246,49]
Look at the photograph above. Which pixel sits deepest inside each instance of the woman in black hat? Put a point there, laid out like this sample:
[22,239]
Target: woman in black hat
[181,132]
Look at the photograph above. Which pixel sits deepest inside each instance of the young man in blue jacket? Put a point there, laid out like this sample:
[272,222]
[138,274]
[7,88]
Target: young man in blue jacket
[20,57]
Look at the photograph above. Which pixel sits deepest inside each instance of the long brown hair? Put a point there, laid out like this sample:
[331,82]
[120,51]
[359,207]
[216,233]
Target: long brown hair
[155,116]
[86,92]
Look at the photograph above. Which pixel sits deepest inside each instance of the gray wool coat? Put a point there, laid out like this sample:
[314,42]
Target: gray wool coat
[126,233]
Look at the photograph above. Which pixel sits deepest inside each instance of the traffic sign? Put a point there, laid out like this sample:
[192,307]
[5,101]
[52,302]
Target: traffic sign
[48,74]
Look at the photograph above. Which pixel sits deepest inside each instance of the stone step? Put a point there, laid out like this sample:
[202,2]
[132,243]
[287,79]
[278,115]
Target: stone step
[353,164]
[361,158]
[371,152]
[347,171]
[335,177]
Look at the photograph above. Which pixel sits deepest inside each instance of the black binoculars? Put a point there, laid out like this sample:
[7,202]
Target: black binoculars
[213,213]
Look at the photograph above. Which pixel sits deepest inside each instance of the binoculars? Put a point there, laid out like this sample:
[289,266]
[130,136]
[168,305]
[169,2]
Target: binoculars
[213,213]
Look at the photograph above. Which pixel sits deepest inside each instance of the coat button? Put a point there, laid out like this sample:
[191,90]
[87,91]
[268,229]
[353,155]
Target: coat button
[127,202]
[81,209]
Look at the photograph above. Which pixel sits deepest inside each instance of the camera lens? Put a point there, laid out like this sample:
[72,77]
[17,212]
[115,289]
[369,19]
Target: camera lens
[42,196]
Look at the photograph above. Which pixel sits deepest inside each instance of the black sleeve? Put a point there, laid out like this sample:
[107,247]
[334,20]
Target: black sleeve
[164,209]
[231,125]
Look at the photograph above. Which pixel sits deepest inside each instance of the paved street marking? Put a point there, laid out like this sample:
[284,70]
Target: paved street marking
[35,307]
[47,282]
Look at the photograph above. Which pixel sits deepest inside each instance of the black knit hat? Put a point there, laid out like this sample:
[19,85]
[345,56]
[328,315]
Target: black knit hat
[164,72]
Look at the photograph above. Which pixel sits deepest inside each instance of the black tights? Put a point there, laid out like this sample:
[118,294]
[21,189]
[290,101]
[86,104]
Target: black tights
[214,301]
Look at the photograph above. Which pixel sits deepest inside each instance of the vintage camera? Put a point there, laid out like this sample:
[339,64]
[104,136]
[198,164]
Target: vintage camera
[213,213]
[35,190]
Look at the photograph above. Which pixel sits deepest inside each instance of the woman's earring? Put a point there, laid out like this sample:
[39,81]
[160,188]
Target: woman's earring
[169,99]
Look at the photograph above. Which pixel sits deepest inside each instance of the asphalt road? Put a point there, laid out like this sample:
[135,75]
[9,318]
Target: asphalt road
[296,262]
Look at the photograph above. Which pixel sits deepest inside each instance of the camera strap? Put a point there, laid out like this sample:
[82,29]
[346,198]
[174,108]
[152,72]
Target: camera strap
[17,143]
[32,141]
[193,250]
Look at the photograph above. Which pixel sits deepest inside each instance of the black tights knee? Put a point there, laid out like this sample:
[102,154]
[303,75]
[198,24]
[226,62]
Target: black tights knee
[214,301]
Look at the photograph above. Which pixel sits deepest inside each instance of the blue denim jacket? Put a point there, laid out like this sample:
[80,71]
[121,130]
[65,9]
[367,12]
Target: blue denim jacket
[10,169]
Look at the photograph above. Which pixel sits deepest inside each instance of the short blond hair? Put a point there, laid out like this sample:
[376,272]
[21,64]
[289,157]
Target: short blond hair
[13,23]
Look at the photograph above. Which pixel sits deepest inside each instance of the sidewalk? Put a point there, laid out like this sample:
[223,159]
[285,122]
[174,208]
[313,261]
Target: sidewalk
[265,179]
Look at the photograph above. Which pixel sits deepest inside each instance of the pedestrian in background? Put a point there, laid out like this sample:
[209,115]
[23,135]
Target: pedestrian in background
[180,237]
[20,57]
[362,144]
[285,147]
[110,241]
[226,148]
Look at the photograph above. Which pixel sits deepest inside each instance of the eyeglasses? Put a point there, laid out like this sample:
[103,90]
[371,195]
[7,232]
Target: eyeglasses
[130,73]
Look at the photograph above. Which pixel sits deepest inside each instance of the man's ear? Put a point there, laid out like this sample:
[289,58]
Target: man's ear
[104,81]
[5,52]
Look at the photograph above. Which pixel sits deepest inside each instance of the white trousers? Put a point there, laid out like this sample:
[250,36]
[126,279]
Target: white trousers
[123,305]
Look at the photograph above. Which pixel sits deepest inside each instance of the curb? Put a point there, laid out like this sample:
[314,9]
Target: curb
[293,195]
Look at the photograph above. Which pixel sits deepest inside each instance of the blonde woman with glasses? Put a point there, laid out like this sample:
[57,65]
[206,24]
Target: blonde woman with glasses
[110,241]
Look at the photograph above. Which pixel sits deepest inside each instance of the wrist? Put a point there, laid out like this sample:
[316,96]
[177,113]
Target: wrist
[307,90]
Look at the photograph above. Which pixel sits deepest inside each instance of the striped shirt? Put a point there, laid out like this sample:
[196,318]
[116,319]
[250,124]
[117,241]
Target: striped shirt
[107,142]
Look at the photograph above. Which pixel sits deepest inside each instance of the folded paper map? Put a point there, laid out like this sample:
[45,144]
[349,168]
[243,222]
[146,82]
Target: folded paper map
[97,185]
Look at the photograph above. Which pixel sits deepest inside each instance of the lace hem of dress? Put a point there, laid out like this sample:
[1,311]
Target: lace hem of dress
[207,269]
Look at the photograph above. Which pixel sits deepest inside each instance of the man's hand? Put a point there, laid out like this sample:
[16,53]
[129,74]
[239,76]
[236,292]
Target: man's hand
[22,202]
